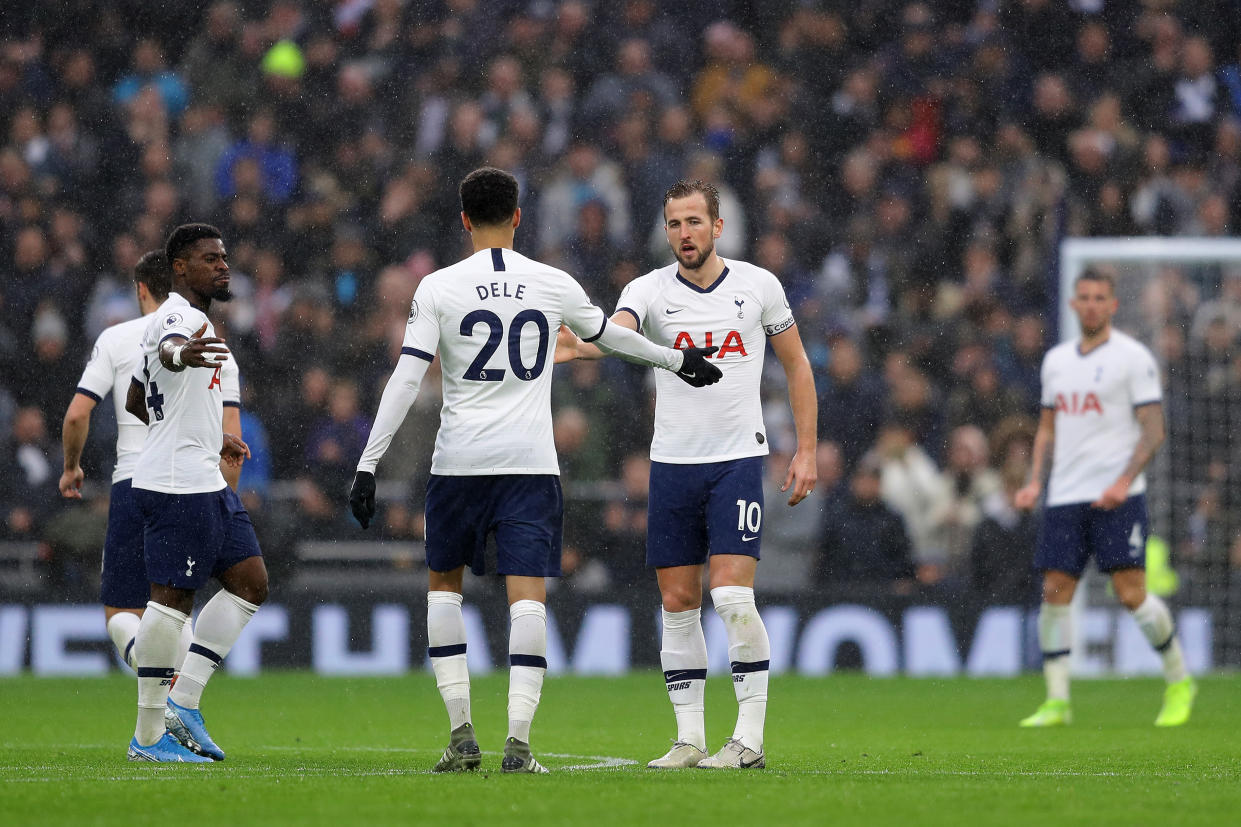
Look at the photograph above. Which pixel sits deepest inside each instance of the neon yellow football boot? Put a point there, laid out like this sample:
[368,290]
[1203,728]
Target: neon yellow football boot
[1052,712]
[1178,702]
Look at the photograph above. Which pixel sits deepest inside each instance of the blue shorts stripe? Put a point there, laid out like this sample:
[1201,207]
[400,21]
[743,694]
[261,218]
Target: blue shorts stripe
[537,661]
[446,651]
[413,351]
[196,649]
[741,667]
[155,671]
[674,675]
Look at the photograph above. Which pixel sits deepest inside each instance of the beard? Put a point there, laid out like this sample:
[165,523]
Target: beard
[703,255]
[221,294]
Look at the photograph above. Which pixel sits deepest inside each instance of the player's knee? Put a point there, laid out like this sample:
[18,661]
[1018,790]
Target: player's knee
[681,598]
[1131,596]
[253,591]
[1058,590]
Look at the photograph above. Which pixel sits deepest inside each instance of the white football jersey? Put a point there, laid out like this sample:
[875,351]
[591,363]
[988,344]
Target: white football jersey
[181,453]
[493,317]
[737,313]
[111,365]
[1094,397]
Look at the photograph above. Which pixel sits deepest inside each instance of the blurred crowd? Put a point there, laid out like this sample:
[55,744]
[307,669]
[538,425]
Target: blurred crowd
[907,170]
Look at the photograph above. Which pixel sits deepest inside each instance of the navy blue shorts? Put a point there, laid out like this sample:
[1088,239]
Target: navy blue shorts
[123,582]
[190,538]
[1070,534]
[694,511]
[524,511]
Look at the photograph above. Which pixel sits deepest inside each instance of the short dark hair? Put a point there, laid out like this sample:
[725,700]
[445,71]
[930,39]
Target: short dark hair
[1090,274]
[684,189]
[489,196]
[154,271]
[185,235]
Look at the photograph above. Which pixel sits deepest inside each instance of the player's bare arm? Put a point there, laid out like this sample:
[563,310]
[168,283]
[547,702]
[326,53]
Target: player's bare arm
[803,470]
[1150,421]
[231,462]
[177,353]
[1044,438]
[135,401]
[73,439]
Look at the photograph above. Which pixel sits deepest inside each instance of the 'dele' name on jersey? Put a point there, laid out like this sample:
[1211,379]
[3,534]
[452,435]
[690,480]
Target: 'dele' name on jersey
[732,343]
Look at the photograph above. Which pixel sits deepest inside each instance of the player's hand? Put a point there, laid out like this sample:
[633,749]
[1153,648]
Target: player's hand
[71,483]
[194,352]
[1027,496]
[696,370]
[566,345]
[234,451]
[803,474]
[362,498]
[1114,496]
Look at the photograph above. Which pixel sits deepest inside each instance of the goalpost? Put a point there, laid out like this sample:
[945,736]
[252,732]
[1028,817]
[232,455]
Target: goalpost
[1174,297]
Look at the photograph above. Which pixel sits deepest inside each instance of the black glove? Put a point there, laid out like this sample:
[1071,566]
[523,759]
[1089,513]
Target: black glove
[696,370]
[362,498]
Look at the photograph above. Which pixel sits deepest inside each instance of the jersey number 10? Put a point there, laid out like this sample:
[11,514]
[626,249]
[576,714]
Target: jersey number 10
[478,370]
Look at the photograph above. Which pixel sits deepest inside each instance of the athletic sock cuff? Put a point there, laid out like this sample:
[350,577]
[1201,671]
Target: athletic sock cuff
[732,596]
[241,603]
[168,612]
[451,598]
[682,620]
[527,608]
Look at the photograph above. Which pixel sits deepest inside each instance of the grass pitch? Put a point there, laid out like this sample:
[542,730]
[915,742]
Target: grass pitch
[843,750]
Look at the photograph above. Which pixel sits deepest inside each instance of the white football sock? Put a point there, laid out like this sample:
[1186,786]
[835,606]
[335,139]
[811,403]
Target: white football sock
[750,653]
[1055,639]
[122,628]
[527,657]
[1155,621]
[155,650]
[446,648]
[183,645]
[217,629]
[684,658]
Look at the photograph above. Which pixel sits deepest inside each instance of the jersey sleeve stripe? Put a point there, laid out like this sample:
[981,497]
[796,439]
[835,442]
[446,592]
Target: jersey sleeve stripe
[421,354]
[633,313]
[497,259]
[230,404]
[1137,405]
[90,394]
[602,328]
[172,336]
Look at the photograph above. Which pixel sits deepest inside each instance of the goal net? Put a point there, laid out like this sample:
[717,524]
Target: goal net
[1182,298]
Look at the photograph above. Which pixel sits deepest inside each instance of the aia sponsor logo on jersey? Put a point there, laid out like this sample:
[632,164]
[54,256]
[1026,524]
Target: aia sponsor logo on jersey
[215,379]
[1078,403]
[732,343]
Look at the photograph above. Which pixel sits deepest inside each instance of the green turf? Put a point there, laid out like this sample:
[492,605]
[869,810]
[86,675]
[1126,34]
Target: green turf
[843,750]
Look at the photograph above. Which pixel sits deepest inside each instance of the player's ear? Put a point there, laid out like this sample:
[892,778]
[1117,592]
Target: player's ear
[517,218]
[465,222]
[718,228]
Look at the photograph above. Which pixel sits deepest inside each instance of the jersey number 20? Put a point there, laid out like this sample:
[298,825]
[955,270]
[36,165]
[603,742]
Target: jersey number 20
[478,370]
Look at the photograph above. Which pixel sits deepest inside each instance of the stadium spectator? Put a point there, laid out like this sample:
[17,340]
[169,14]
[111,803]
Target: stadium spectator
[864,541]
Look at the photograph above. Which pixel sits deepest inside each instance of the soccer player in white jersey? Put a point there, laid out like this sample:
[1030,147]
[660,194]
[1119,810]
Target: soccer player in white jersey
[1102,420]
[124,588]
[706,488]
[493,317]
[194,526]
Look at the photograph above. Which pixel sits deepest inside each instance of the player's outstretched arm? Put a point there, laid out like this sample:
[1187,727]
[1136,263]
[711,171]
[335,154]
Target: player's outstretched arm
[177,353]
[1027,496]
[803,470]
[1150,437]
[73,435]
[399,394]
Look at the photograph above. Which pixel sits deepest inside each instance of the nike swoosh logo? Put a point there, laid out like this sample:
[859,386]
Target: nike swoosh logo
[670,311]
[689,375]
[748,764]
[746,539]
